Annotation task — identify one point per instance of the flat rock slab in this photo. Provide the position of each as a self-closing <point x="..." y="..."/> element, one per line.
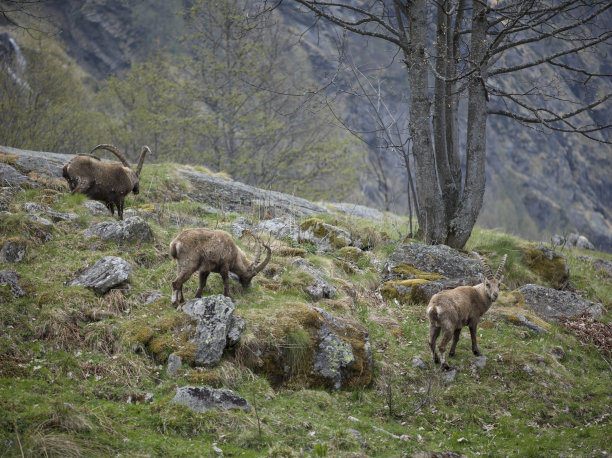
<point x="134" y="229"/>
<point x="107" y="273"/>
<point x="551" y="303"/>
<point x="238" y="197"/>
<point x="10" y="176"/>
<point x="202" y="398"/>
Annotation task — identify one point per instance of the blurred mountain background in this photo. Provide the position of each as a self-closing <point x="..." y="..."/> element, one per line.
<point x="268" y="100"/>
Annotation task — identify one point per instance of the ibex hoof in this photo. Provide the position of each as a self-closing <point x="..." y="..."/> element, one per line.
<point x="445" y="367"/>
<point x="477" y="353"/>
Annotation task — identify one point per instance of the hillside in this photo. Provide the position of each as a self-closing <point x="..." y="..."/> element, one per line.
<point x="86" y="373"/>
<point x="538" y="183"/>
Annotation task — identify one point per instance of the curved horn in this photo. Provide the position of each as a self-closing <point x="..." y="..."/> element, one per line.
<point x="484" y="265"/>
<point x="500" y="268"/>
<point x="145" y="150"/>
<point x="115" y="151"/>
<point x="254" y="268"/>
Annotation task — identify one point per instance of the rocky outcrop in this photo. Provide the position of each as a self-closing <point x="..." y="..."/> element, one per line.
<point x="202" y="398"/>
<point x="217" y="327"/>
<point x="310" y="346"/>
<point x="234" y="196"/>
<point x="9" y="176"/>
<point x="134" y="229"/>
<point x="109" y="272"/>
<point x="551" y="303"/>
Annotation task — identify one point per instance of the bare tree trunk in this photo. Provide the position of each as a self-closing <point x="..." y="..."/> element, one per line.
<point x="471" y="201"/>
<point x="431" y="208"/>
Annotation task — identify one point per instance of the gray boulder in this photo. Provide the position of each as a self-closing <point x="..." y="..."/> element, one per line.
<point x="134" y="229"/>
<point x="56" y="217"/>
<point x="202" y="398"/>
<point x="216" y="327"/>
<point x="10" y="278"/>
<point x="439" y="259"/>
<point x="107" y="273"/>
<point x="174" y="364"/>
<point x="551" y="303"/>
<point x="96" y="208"/>
<point x="12" y="251"/>
<point x="32" y="207"/>
<point x="320" y="288"/>
<point x="39" y="220"/>
<point x="281" y="227"/>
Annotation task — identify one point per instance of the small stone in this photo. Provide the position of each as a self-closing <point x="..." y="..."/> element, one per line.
<point x="202" y="398"/>
<point x="418" y="363"/>
<point x="449" y="375"/>
<point x="558" y="353"/>
<point x="480" y="362"/>
<point x="32" y="207"/>
<point x="527" y="369"/>
<point x="40" y="220"/>
<point x="174" y="364"/>
<point x="10" y="278"/>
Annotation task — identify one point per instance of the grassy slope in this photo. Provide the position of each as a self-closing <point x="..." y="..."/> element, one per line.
<point x="65" y="379"/>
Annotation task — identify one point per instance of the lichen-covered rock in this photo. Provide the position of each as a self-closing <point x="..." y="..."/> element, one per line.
<point x="202" y="398"/>
<point x="325" y="236"/>
<point x="320" y="288"/>
<point x="12" y="251"/>
<point x="39" y="220"/>
<point x="10" y="278"/>
<point x="33" y="207"/>
<point x="134" y="229"/>
<point x="549" y="264"/>
<point x="107" y="273"/>
<point x="216" y="325"/>
<point x="281" y="227"/>
<point x="551" y="303"/>
<point x="436" y="259"/>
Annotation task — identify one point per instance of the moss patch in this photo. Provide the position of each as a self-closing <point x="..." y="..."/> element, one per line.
<point x="403" y="290"/>
<point x="550" y="266"/>
<point x="408" y="271"/>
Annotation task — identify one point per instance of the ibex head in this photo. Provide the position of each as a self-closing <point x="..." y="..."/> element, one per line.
<point x="491" y="282"/>
<point x="255" y="267"/>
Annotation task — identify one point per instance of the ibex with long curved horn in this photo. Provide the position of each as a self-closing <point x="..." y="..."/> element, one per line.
<point x="449" y="311"/>
<point x="211" y="250"/>
<point x="108" y="182"/>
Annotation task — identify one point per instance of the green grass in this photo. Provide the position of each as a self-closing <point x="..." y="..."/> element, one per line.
<point x="65" y="380"/>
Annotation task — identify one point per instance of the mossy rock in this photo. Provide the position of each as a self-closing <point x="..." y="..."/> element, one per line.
<point x="408" y="271"/>
<point x="347" y="267"/>
<point x="403" y="290"/>
<point x="289" y="347"/>
<point x="511" y="299"/>
<point x="350" y="253"/>
<point x="551" y="266"/>
<point x="336" y="237"/>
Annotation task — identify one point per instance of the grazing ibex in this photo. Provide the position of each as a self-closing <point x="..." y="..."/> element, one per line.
<point x="449" y="311"/>
<point x="108" y="182"/>
<point x="210" y="250"/>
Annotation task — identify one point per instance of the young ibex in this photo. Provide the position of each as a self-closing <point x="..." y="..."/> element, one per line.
<point x="209" y="250"/>
<point x="108" y="182"/>
<point x="449" y="311"/>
